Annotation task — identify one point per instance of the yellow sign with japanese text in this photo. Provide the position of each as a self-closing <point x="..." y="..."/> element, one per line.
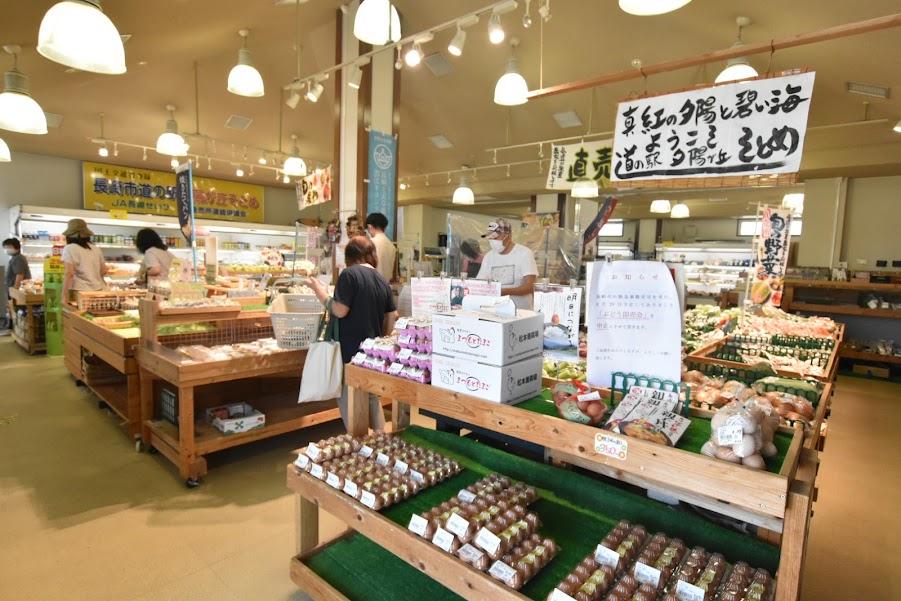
<point x="119" y="188"/>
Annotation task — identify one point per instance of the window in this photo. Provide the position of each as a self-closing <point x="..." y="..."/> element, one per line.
<point x="612" y="229"/>
<point x="751" y="227"/>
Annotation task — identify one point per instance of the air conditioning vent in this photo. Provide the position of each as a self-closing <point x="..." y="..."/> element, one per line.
<point x="238" y="122"/>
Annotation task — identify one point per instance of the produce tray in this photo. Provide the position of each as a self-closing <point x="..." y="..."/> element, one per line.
<point x="702" y="356"/>
<point x="576" y="511"/>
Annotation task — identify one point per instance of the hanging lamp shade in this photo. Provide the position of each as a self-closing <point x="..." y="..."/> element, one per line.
<point x="19" y="112"/>
<point x="736" y="69"/>
<point x="170" y="141"/>
<point x="645" y="8"/>
<point x="244" y="79"/>
<point x="680" y="211"/>
<point x="377" y="22"/>
<point x="5" y="156"/>
<point x="463" y="195"/>
<point x="660" y="206"/>
<point x="793" y="201"/>
<point x="511" y="89"/>
<point x="584" y="188"/>
<point x="77" y="34"/>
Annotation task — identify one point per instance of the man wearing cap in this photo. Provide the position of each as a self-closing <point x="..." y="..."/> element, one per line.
<point x="513" y="265"/>
<point x="83" y="261"/>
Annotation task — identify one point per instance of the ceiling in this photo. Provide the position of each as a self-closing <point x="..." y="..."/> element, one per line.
<point x="582" y="39"/>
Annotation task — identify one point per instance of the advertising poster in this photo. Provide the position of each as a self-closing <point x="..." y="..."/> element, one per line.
<point x="634" y="322"/>
<point x="560" y="306"/>
<point x="438" y="295"/>
<point x="382" y="190"/>
<point x="583" y="160"/>
<point x="772" y="256"/>
<point x="315" y="188"/>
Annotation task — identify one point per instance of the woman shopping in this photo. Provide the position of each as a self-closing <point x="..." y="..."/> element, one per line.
<point x="83" y="261"/>
<point x="364" y="306"/>
<point x="157" y="258"/>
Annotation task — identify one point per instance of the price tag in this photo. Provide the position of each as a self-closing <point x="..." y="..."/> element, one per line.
<point x="350" y="487"/>
<point x="458" y="525"/>
<point x="382" y="459"/>
<point x="367" y="344"/>
<point x="316" y="471"/>
<point x="313" y="452"/>
<point x="488" y="541"/>
<point x="689" y="592"/>
<point x="365" y="451"/>
<point x="418" y="525"/>
<point x="404" y="354"/>
<point x="118" y="214"/>
<point x="443" y="539"/>
<point x="646" y="574"/>
<point x="726" y="436"/>
<point x="469" y="554"/>
<point x="611" y="446"/>
<point x="503" y="572"/>
<point x="395" y="368"/>
<point x="302" y="461"/>
<point x="591" y="396"/>
<point x="606" y="557"/>
<point x="558" y="595"/>
<point x="401" y="324"/>
<point x="368" y="499"/>
<point x="401" y="467"/>
<point x="466" y="496"/>
<point x="417" y="477"/>
<point x="333" y="480"/>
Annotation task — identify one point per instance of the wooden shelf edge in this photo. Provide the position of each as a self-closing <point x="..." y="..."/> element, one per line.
<point x="845" y="310"/>
<point x="225" y="441"/>
<point x="867" y="356"/>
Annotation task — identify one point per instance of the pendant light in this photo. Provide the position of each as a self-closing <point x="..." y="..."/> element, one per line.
<point x="584" y="188"/>
<point x="794" y="201"/>
<point x="463" y="195"/>
<point x="19" y="112"/>
<point x="660" y="206"/>
<point x="103" y="151"/>
<point x="77" y="34"/>
<point x="511" y="89"/>
<point x="244" y="79"/>
<point x="645" y="8"/>
<point x="680" y="211"/>
<point x="170" y="141"/>
<point x="294" y="165"/>
<point x="377" y="22"/>
<point x="737" y="68"/>
<point x="5" y="156"/>
<point x="897" y="128"/>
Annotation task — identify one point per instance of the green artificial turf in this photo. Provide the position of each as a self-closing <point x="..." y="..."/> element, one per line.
<point x="692" y="440"/>
<point x="576" y="511"/>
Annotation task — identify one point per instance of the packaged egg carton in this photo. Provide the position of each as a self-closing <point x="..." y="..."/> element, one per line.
<point x="587" y="582"/>
<point x="416" y="327"/>
<point x="409" y="358"/>
<point x="413" y="343"/>
<point x="658" y="561"/>
<point x="620" y="547"/>
<point x="327" y="449"/>
<point x="464" y="518"/>
<point x="521" y="564"/>
<point x="423" y="376"/>
<point x="380" y="348"/>
<point x="628" y="588"/>
<point x="747" y="584"/>
<point x="700" y="575"/>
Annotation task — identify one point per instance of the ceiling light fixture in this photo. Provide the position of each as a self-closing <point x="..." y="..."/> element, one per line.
<point x="239" y="172"/>
<point x="170" y="141"/>
<point x="897" y="128"/>
<point x="457" y="42"/>
<point x="403" y="186"/>
<point x="293" y="100"/>
<point x="19" y="112"/>
<point x="262" y="160"/>
<point x="584" y="188"/>
<point x="496" y="32"/>
<point x="356" y="78"/>
<point x="794" y="201"/>
<point x="314" y="91"/>
<point x="286" y="179"/>
<point x="244" y="79"/>
<point x="413" y="56"/>
<point x="173" y="163"/>
<point x="377" y="22"/>
<point x="294" y="165"/>
<point x="463" y="195"/>
<point x="77" y="34"/>
<point x="645" y="8"/>
<point x="511" y="89"/>
<point x="103" y="151"/>
<point x="737" y="68"/>
<point x="680" y="211"/>
<point x="115" y="149"/>
<point x="5" y="156"/>
<point x="660" y="206"/>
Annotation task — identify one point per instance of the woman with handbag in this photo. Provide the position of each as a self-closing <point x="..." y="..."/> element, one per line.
<point x="365" y="308"/>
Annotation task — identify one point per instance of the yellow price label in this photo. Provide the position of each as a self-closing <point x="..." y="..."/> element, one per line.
<point x="118" y="213"/>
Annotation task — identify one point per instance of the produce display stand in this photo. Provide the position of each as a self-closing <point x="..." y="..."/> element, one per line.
<point x="206" y="384"/>
<point x="838" y="298"/>
<point x="28" y="335"/>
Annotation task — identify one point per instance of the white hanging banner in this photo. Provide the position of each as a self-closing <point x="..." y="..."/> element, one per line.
<point x="560" y="306"/>
<point x="772" y="256"/>
<point x="437" y="295"/>
<point x="634" y="322"/>
<point x="748" y="128"/>
<point x="585" y="160"/>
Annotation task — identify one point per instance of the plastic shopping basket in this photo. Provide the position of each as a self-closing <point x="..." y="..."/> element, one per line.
<point x="295" y="321"/>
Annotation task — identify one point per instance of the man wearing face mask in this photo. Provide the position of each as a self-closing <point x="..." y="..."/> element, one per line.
<point x="376" y="224"/>
<point x="513" y="265"/>
<point x="17" y="271"/>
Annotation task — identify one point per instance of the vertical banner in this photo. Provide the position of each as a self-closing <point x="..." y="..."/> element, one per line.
<point x="772" y="256"/>
<point x="634" y="322"/>
<point x="560" y="306"/>
<point x="382" y="191"/>
<point x="585" y="160"/>
<point x="184" y="202"/>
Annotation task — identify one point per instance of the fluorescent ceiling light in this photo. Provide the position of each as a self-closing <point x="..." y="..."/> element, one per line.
<point x="5" y="156"/>
<point x="651" y="7"/>
<point x="660" y="206"/>
<point x="440" y="141"/>
<point x="584" y="188"/>
<point x="511" y="89"/>
<point x="170" y="141"/>
<point x="463" y="194"/>
<point x="680" y="211"/>
<point x="77" y="34"/>
<point x="19" y="112"/>
<point x="244" y="79"/>
<point x="567" y="119"/>
<point x="377" y="22"/>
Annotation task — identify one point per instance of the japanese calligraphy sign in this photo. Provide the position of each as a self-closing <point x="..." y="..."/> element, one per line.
<point x="438" y="295"/>
<point x="382" y="189"/>
<point x="753" y="127"/>
<point x="772" y="256"/>
<point x="184" y="200"/>
<point x="315" y="188"/>
<point x="144" y="191"/>
<point x="561" y="307"/>
<point x="589" y="160"/>
<point x="634" y="321"/>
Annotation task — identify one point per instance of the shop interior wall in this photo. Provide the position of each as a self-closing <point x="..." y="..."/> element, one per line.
<point x="701" y="230"/>
<point x="872" y="222"/>
<point x="48" y="181"/>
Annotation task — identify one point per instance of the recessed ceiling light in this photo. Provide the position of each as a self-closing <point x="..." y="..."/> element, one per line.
<point x="866" y="89"/>
<point x="439" y="141"/>
<point x="567" y="119"/>
<point x="142" y="63"/>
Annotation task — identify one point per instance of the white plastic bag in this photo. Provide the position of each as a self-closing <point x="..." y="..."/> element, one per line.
<point x="323" y="373"/>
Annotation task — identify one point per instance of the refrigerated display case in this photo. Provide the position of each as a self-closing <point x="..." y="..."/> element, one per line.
<point x="711" y="268"/>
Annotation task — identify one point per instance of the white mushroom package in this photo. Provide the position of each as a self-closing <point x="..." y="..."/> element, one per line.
<point x="742" y="432"/>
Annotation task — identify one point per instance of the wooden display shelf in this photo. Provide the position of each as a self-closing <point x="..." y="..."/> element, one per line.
<point x="846" y="310"/>
<point x="28" y="337"/>
<point x="22" y="297"/>
<point x="702" y="355"/>
<point x="754" y="496"/>
<point x="849" y="353"/>
<point x="831" y="285"/>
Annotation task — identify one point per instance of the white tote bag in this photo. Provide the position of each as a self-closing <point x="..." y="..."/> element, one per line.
<point x="323" y="370"/>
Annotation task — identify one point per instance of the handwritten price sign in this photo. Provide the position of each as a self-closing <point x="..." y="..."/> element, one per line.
<point x="611" y="446"/>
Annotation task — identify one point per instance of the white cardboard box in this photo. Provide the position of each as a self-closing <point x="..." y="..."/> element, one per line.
<point x="488" y="338"/>
<point x="509" y="384"/>
<point x="241" y="418"/>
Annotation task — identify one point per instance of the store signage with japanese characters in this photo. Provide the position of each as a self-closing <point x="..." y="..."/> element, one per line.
<point x="144" y="191"/>
<point x="382" y="187"/>
<point x="315" y="188"/>
<point x="585" y="160"/>
<point x="438" y="295"/>
<point x="561" y="306"/>
<point x="634" y="321"/>
<point x="772" y="256"/>
<point x="748" y="128"/>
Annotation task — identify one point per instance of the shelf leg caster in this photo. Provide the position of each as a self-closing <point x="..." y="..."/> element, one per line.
<point x="139" y="446"/>
<point x="151" y="450"/>
<point x="192" y="482"/>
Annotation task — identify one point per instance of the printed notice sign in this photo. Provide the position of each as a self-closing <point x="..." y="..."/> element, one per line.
<point x="438" y="295"/>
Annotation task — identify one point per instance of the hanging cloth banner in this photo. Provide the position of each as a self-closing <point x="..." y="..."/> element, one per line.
<point x="772" y="256"/>
<point x="315" y="188"/>
<point x="753" y="127"/>
<point x="382" y="196"/>
<point x="585" y="160"/>
<point x="604" y="213"/>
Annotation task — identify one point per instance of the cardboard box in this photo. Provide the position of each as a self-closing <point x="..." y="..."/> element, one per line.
<point x="510" y="384"/>
<point x="488" y="338"/>
<point x="241" y="417"/>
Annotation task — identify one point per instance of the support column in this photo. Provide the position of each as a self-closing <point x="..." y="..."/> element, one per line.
<point x="824" y="220"/>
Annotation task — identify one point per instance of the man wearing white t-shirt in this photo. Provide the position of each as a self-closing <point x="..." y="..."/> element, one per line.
<point x="513" y="265"/>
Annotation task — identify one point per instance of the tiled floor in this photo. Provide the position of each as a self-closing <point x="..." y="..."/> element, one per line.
<point x="85" y="517"/>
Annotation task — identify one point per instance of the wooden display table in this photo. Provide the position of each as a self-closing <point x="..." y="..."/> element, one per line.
<point x="26" y="333"/>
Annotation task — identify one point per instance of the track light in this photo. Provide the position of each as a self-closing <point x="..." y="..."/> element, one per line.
<point x="115" y="149"/>
<point x="737" y="68"/>
<point x="19" y="112"/>
<point x="77" y="34"/>
<point x="356" y="78"/>
<point x="244" y="79"/>
<point x="294" y="165"/>
<point x="496" y="32"/>
<point x="457" y="42"/>
<point x="170" y="141"/>
<point x="239" y="172"/>
<point x="404" y="186"/>
<point x="314" y="91"/>
<point x="897" y="128"/>
<point x="286" y="179"/>
<point x="103" y="151"/>
<point x="293" y="100"/>
<point x="173" y="163"/>
<point x="262" y="160"/>
<point x="413" y="56"/>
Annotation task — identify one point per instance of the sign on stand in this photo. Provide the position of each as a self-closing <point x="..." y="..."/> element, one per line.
<point x="585" y="160"/>
<point x="634" y="321"/>
<point x="772" y="256"/>
<point x="437" y="295"/>
<point x="750" y="128"/>
<point x="561" y="306"/>
<point x="184" y="200"/>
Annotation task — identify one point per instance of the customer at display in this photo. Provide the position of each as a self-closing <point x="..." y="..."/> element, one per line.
<point x="376" y="224"/>
<point x="511" y="264"/>
<point x="16" y="270"/>
<point x="157" y="257"/>
<point x="364" y="306"/>
<point x="83" y="261"/>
